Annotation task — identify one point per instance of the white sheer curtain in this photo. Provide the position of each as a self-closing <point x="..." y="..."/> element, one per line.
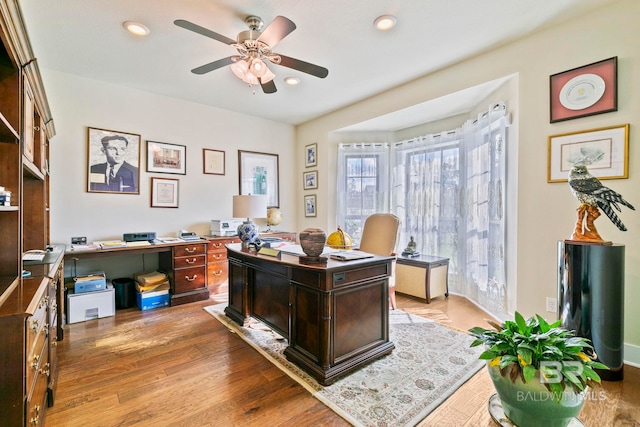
<point x="448" y="191"/>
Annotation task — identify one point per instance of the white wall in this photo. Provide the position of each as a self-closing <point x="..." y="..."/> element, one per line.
<point x="79" y="103"/>
<point x="545" y="212"/>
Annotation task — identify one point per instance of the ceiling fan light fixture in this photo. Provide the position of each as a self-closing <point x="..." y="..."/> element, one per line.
<point x="385" y="22"/>
<point x="241" y="70"/>
<point x="136" y="28"/>
<point x="267" y="76"/>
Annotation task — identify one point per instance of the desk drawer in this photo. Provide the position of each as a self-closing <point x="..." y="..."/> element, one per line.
<point x="189" y="279"/>
<point x="189" y="261"/>
<point x="190" y="250"/>
<point x="217" y="272"/>
<point x="216" y="256"/>
<point x="218" y="245"/>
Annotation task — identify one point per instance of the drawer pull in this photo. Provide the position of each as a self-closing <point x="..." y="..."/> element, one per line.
<point x="218" y="256"/>
<point x="36" y="359"/>
<point x="217" y="273"/>
<point x="191" y="279"/>
<point x="190" y="250"/>
<point x="35" y="324"/>
<point x="217" y="245"/>
<point x="190" y="261"/>
<point x="45" y="371"/>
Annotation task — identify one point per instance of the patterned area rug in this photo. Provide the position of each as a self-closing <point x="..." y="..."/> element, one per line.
<point x="429" y="363"/>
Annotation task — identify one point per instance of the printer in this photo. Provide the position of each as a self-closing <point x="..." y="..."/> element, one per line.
<point x="225" y="227"/>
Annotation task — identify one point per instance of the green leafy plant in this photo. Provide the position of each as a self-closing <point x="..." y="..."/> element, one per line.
<point x="534" y="345"/>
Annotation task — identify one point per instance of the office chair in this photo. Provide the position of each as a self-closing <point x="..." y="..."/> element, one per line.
<point x="379" y="237"/>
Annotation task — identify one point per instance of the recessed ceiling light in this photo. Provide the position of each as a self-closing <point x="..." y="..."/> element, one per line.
<point x="385" y="22"/>
<point x="291" y="80"/>
<point x="136" y="28"/>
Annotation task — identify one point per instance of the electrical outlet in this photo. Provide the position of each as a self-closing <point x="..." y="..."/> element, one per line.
<point x="552" y="305"/>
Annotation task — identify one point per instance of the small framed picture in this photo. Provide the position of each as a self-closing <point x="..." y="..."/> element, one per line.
<point x="164" y="192"/>
<point x="310" y="180"/>
<point x="310" y="205"/>
<point x="166" y="158"/>
<point x="311" y="157"/>
<point x="584" y="91"/>
<point x="605" y="151"/>
<point x="213" y="161"/>
<point x="113" y="162"/>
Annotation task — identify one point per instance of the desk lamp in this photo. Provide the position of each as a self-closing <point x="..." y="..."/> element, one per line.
<point x="249" y="206"/>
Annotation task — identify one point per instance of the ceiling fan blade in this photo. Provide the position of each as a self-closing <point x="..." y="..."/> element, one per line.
<point x="203" y="31"/>
<point x="203" y="69"/>
<point x="278" y="29"/>
<point x="305" y="67"/>
<point x="268" y="87"/>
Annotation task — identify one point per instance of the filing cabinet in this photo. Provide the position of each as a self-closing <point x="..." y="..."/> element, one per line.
<point x="186" y="267"/>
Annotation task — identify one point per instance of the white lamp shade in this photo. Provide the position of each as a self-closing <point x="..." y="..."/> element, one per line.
<point x="250" y="206"/>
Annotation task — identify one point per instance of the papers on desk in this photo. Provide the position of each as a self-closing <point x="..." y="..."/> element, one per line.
<point x="349" y="255"/>
<point x="169" y="239"/>
<point x="138" y="243"/>
<point x="297" y="250"/>
<point x="84" y="247"/>
<point x="111" y="244"/>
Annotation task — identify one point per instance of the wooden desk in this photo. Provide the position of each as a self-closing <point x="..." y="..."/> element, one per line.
<point x="335" y="316"/>
<point x="424" y="276"/>
<point x="184" y="263"/>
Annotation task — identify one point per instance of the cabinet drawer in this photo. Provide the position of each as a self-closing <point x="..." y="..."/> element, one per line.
<point x="189" y="250"/>
<point x="216" y="256"/>
<point x="37" y="327"/>
<point x="217" y="272"/>
<point x="36" y="404"/>
<point x="189" y="279"/>
<point x="218" y="245"/>
<point x="37" y="364"/>
<point x="189" y="261"/>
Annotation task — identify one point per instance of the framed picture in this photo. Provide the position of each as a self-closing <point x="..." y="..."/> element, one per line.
<point x="113" y="162"/>
<point x="584" y="91"/>
<point x="310" y="180"/>
<point x="605" y="152"/>
<point x="164" y="192"/>
<point x="310" y="205"/>
<point x="311" y="155"/>
<point x="212" y="161"/>
<point x="166" y="158"/>
<point x="258" y="174"/>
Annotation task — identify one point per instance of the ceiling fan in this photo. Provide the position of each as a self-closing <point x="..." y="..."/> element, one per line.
<point x="254" y="50"/>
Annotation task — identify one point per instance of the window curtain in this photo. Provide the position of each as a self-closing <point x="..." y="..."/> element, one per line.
<point x="448" y="191"/>
<point x="363" y="185"/>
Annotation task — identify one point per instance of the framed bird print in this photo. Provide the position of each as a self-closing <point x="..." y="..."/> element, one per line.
<point x="605" y="151"/>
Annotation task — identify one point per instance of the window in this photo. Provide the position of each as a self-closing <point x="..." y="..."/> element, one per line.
<point x="448" y="191"/>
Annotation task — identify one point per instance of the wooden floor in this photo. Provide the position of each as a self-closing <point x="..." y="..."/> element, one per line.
<point x="178" y="366"/>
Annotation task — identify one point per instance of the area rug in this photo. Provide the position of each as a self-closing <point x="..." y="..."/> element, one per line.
<point x="428" y="364"/>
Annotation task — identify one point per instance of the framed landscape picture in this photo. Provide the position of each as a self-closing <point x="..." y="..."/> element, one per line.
<point x="605" y="152"/>
<point x="113" y="162"/>
<point x="166" y="158"/>
<point x="258" y="174"/>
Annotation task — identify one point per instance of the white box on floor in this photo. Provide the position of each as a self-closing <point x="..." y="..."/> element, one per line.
<point x="91" y="305"/>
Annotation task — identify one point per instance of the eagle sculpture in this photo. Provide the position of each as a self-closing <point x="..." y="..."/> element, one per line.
<point x="593" y="197"/>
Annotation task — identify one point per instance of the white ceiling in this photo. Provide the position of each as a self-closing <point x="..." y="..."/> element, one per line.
<point x="86" y="38"/>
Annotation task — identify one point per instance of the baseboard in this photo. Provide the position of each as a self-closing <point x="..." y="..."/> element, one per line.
<point x="632" y="355"/>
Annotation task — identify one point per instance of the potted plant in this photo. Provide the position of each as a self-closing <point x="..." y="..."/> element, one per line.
<point x="541" y="371"/>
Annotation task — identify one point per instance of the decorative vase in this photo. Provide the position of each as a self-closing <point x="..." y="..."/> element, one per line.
<point x="247" y="233"/>
<point x="532" y="404"/>
<point x="312" y="241"/>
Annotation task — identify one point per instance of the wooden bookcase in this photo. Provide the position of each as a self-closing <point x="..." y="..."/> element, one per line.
<point x="29" y="319"/>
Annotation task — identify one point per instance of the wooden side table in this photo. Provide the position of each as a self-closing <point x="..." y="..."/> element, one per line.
<point x="424" y="276"/>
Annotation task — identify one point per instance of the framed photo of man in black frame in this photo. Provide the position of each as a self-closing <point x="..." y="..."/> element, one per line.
<point x="113" y="162"/>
